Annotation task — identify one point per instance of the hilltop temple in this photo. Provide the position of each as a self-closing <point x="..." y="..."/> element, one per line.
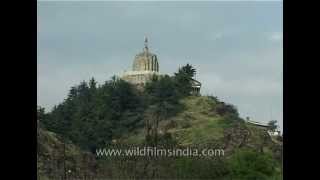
<point x="145" y="65"/>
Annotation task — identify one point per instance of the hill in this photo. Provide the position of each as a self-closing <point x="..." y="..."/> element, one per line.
<point x="117" y="116"/>
<point x="60" y="159"/>
<point x="202" y="125"/>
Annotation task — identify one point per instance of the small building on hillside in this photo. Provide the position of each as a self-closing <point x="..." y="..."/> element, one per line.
<point x="265" y="126"/>
<point x="196" y="86"/>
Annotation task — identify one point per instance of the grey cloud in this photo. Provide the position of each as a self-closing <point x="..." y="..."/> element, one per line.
<point x="235" y="46"/>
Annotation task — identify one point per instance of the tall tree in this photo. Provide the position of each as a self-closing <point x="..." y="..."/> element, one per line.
<point x="273" y="125"/>
<point x="183" y="79"/>
<point x="189" y="70"/>
<point x="163" y="102"/>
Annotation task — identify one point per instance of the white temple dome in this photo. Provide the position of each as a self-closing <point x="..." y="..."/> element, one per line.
<point x="145" y="61"/>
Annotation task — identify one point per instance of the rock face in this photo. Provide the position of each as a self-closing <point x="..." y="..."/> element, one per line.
<point x="249" y="136"/>
<point x="57" y="159"/>
<point x="235" y="137"/>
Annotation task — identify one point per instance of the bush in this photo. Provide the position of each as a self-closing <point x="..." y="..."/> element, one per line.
<point x="252" y="165"/>
<point x="226" y="109"/>
<point x="200" y="168"/>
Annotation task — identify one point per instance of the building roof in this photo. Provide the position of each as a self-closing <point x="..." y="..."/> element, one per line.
<point x="145" y="61"/>
<point x="257" y="123"/>
<point x="195" y="83"/>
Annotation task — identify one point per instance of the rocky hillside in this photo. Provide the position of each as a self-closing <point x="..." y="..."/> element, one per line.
<point x="203" y="122"/>
<point x="59" y="159"/>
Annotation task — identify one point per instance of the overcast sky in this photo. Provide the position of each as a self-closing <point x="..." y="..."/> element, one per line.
<point x="236" y="47"/>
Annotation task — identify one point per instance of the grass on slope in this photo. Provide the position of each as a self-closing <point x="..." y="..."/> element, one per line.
<point x="196" y="124"/>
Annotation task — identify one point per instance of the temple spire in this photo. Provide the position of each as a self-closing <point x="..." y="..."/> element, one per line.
<point x="145" y="43"/>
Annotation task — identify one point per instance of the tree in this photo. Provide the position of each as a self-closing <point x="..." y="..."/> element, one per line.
<point x="189" y="70"/>
<point x="163" y="93"/>
<point x="92" y="83"/>
<point x="272" y="125"/>
<point x="252" y="165"/>
<point x="163" y="102"/>
<point x="92" y="115"/>
<point x="41" y="113"/>
<point x="183" y="79"/>
<point x="223" y="109"/>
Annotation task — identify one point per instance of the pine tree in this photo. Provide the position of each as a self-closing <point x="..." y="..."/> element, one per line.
<point x="183" y="79"/>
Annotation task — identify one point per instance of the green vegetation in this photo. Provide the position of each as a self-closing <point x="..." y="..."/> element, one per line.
<point x="183" y="78"/>
<point x="164" y="114"/>
<point x="56" y="155"/>
<point x="273" y="125"/>
<point x="252" y="165"/>
<point x="91" y="116"/>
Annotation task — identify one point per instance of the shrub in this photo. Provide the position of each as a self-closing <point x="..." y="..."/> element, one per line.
<point x="252" y="165"/>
